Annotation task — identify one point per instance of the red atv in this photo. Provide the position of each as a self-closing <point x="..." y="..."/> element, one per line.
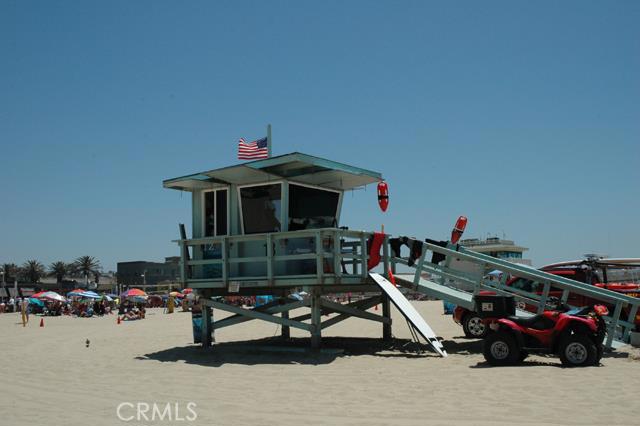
<point x="576" y="336"/>
<point x="601" y="273"/>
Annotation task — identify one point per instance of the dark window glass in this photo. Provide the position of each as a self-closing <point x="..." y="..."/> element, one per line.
<point x="261" y="208"/>
<point x="209" y="214"/>
<point x="311" y="208"/>
<point x="215" y="213"/>
<point x="221" y="210"/>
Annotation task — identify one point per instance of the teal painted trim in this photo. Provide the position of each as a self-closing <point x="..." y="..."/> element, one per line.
<point x="196" y="214"/>
<point x="316" y="161"/>
<point x="195" y="176"/>
<point x="284" y="206"/>
<point x="275" y="161"/>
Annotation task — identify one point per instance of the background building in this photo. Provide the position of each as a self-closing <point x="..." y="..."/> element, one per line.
<point x="497" y="247"/>
<point x="145" y="274"/>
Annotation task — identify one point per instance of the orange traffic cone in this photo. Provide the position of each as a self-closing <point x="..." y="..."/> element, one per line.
<point x="41" y="322"/>
<point x="118" y="319"/>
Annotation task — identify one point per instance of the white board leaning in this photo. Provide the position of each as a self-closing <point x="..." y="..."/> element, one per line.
<point x="409" y="312"/>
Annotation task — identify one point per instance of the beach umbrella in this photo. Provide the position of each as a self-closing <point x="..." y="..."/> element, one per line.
<point x="39" y="294"/>
<point x="75" y="292"/>
<point x="34" y="301"/>
<point x="176" y="294"/>
<point x="134" y="292"/>
<point x="89" y="295"/>
<point x="52" y="295"/>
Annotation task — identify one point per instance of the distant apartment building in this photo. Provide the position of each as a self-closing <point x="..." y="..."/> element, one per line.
<point x="497" y="247"/>
<point x="141" y="273"/>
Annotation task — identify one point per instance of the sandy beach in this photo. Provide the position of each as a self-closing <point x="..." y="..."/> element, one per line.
<point x="50" y="375"/>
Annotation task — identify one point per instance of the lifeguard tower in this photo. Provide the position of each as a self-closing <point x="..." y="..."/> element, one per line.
<point x="272" y="227"/>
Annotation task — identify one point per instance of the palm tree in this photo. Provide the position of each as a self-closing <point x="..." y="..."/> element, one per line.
<point x="59" y="270"/>
<point x="32" y="271"/>
<point x="86" y="265"/>
<point x="10" y="272"/>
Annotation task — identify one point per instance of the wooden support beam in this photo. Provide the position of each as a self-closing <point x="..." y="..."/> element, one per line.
<point x="260" y="315"/>
<point x="206" y="338"/>
<point x="316" y="320"/>
<point x="345" y="309"/>
<point x="611" y="332"/>
<point x="362" y="304"/>
<point x="286" y="330"/>
<point x="386" y="313"/>
<point x="270" y="308"/>
<point x="630" y="319"/>
<point x="368" y="303"/>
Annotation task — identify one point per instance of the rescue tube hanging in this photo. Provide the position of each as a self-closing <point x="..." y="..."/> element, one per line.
<point x="458" y="229"/>
<point x="383" y="196"/>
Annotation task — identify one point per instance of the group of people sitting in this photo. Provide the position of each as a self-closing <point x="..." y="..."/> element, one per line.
<point x="131" y="312"/>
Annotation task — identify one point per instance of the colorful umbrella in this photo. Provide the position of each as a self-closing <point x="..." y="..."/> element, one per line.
<point x="38" y="295"/>
<point x="89" y="295"/>
<point x="34" y="301"/>
<point x="187" y="291"/>
<point x="134" y="292"/>
<point x="52" y="295"/>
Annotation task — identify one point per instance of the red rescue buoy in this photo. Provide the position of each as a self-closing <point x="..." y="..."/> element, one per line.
<point x="383" y="196"/>
<point x="458" y="229"/>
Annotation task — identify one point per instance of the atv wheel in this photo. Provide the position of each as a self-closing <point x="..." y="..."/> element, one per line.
<point x="501" y="348"/>
<point x="577" y="350"/>
<point x="473" y="326"/>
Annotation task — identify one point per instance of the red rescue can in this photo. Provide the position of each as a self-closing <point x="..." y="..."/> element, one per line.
<point x="383" y="196"/>
<point x="458" y="229"/>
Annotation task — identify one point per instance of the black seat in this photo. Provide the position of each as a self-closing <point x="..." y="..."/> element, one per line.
<point x="537" y="322"/>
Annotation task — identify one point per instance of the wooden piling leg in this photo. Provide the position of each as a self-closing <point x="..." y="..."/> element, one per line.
<point x="316" y="309"/>
<point x="207" y="338"/>
<point x="286" y="330"/>
<point x="386" y="313"/>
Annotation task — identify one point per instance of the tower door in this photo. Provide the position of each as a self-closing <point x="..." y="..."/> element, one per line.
<point x="216" y="213"/>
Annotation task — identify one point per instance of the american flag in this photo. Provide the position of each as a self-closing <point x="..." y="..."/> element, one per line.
<point x="253" y="150"/>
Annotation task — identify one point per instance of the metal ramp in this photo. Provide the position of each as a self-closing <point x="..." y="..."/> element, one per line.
<point x="409" y="312"/>
<point x="455" y="274"/>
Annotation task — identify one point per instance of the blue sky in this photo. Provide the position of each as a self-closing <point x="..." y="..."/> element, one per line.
<point x="524" y="116"/>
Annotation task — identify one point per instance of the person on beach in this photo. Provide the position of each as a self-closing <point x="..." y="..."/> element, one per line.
<point x="24" y="312"/>
<point x="170" y="305"/>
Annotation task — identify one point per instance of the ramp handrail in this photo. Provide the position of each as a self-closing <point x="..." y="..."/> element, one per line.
<point x="453" y="278"/>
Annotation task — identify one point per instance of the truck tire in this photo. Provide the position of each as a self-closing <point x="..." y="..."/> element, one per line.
<point x="473" y="326"/>
<point x="501" y="348"/>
